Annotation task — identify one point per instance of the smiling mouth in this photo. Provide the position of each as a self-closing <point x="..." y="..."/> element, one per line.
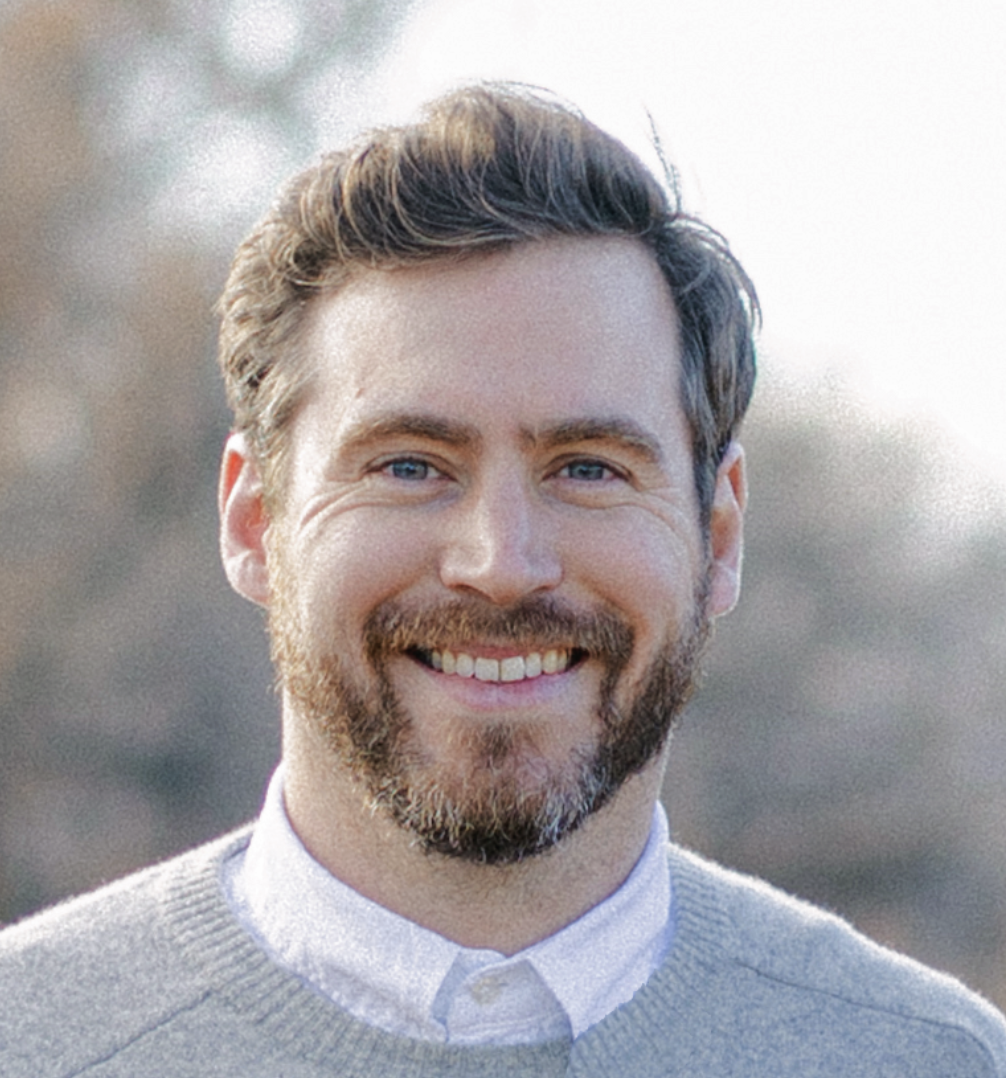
<point x="509" y="669"/>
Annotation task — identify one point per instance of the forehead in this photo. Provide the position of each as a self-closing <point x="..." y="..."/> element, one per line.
<point x="534" y="335"/>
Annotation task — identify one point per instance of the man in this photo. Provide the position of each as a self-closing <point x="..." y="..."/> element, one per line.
<point x="487" y="380"/>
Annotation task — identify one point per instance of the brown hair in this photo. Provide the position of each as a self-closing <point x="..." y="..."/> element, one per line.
<point x="487" y="166"/>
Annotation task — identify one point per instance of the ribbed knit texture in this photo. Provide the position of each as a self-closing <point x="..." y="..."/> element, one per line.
<point x="153" y="978"/>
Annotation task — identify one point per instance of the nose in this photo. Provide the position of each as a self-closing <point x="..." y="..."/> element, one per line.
<point x="500" y="543"/>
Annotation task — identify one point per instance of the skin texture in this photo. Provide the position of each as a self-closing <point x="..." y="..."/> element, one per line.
<point x="493" y="432"/>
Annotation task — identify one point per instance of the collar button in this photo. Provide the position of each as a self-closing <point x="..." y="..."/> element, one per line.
<point x="486" y="990"/>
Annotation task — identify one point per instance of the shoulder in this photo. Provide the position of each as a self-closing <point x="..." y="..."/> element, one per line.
<point x="80" y="978"/>
<point x="791" y="958"/>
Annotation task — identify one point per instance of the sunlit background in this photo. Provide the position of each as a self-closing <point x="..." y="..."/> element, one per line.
<point x="854" y="153"/>
<point x="850" y="743"/>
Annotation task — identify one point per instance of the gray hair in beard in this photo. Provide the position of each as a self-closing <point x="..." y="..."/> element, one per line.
<point x="494" y="817"/>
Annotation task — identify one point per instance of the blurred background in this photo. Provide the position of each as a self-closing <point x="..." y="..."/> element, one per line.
<point x="850" y="742"/>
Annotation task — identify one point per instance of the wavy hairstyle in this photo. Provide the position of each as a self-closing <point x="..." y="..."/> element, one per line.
<point x="485" y="167"/>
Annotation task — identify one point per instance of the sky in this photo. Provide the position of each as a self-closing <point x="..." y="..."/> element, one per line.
<point x="853" y="153"/>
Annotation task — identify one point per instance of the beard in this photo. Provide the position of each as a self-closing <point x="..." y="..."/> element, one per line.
<point x="509" y="802"/>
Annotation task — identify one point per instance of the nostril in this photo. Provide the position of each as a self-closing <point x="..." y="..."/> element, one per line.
<point x="500" y="574"/>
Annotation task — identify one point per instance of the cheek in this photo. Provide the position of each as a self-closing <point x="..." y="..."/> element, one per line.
<point x="637" y="554"/>
<point x="349" y="565"/>
<point x="647" y="572"/>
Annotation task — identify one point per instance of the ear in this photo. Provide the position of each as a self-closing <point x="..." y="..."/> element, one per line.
<point x="726" y="531"/>
<point x="243" y="521"/>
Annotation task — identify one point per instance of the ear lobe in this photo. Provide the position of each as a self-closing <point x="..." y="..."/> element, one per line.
<point x="726" y="531"/>
<point x="243" y="521"/>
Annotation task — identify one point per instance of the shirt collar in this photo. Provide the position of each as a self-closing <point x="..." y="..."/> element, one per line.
<point x="597" y="962"/>
<point x="394" y="974"/>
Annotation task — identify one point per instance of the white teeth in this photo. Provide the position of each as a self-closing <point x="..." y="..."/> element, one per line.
<point x="512" y="668"/>
<point x="487" y="669"/>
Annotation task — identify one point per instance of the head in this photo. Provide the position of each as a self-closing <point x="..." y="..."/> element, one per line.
<point x="418" y="344"/>
<point x="486" y="168"/>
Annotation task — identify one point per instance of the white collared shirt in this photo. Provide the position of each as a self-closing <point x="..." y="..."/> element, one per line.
<point x="406" y="979"/>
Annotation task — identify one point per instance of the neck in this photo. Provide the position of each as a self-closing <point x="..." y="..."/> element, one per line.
<point x="501" y="908"/>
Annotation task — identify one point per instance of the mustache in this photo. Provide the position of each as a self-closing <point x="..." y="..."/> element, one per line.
<point x="535" y="622"/>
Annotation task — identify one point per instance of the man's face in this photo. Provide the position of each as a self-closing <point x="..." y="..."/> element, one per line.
<point x="487" y="579"/>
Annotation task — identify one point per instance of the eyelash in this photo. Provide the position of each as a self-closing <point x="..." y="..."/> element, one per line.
<point x="421" y="470"/>
<point x="594" y="466"/>
<point x="417" y="464"/>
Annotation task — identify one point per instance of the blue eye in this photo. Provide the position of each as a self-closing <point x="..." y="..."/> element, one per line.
<point x="409" y="469"/>
<point x="587" y="470"/>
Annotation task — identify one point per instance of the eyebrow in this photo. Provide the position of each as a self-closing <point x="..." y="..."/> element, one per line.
<point x="626" y="432"/>
<point x="619" y="429"/>
<point x="413" y="425"/>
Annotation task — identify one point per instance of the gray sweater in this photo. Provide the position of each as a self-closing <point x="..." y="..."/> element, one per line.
<point x="152" y="977"/>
